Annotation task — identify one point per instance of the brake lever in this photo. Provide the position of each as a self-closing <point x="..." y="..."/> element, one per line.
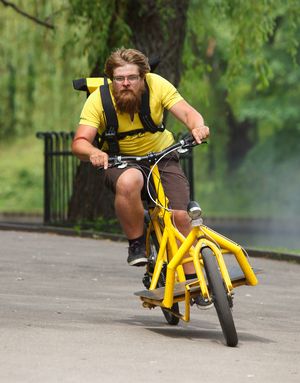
<point x="121" y="165"/>
<point x="191" y="144"/>
<point x="115" y="164"/>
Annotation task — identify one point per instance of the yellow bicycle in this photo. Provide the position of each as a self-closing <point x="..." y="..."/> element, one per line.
<point x="168" y="250"/>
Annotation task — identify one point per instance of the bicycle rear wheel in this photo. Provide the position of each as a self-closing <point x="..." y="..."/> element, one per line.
<point x="219" y="297"/>
<point x="170" y="318"/>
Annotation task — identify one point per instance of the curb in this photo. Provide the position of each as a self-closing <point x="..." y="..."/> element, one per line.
<point x="278" y="256"/>
<point x="40" y="228"/>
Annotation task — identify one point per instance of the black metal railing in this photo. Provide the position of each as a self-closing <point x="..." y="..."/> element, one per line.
<point x="187" y="163"/>
<point x="59" y="172"/>
<point x="60" y="167"/>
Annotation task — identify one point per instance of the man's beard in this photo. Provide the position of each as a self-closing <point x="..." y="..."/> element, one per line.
<point x="128" y="100"/>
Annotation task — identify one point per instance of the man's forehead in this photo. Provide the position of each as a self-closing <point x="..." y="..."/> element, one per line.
<point x="126" y="70"/>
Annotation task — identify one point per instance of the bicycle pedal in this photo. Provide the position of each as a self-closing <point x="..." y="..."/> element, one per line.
<point x="201" y="303"/>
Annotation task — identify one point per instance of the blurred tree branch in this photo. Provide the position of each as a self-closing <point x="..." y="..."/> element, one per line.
<point x="25" y="14"/>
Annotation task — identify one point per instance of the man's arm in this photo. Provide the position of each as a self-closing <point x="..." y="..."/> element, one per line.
<point x="83" y="148"/>
<point x="193" y="120"/>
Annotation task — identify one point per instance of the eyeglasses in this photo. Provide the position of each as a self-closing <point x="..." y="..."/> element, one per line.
<point x="130" y="78"/>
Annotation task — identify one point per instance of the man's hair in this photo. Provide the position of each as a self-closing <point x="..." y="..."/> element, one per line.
<point x="122" y="56"/>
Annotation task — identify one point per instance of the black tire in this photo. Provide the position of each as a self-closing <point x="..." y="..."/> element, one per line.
<point x="219" y="296"/>
<point x="170" y="318"/>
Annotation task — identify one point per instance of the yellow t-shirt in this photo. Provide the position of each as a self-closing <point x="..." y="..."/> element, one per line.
<point x="162" y="95"/>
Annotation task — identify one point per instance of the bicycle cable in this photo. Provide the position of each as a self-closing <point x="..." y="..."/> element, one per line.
<point x="148" y="181"/>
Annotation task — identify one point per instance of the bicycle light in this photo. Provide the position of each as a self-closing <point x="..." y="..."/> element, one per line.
<point x="195" y="212"/>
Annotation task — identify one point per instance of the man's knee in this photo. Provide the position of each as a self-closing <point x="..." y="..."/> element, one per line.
<point x="181" y="217"/>
<point x="130" y="182"/>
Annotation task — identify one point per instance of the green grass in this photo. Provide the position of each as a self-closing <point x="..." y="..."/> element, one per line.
<point x="21" y="175"/>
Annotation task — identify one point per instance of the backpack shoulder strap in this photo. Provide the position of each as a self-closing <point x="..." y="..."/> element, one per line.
<point x="110" y="133"/>
<point x="145" y="113"/>
<point x="108" y="107"/>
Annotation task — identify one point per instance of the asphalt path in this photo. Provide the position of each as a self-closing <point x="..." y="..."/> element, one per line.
<point x="68" y="314"/>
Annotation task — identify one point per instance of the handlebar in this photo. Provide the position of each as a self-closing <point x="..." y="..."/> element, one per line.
<point x="183" y="144"/>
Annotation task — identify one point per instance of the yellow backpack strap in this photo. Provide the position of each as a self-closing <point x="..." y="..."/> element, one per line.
<point x="89" y="84"/>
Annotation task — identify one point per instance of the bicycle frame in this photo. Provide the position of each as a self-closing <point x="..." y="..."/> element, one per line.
<point x="176" y="250"/>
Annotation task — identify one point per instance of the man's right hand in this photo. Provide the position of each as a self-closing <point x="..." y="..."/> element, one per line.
<point x="99" y="158"/>
<point x="83" y="148"/>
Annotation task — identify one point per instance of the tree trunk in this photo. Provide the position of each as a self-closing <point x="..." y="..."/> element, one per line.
<point x="160" y="32"/>
<point x="90" y="195"/>
<point x="238" y="137"/>
<point x="242" y="137"/>
<point x="152" y="26"/>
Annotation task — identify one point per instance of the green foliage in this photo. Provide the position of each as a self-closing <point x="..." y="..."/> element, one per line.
<point x="243" y="60"/>
<point x="266" y="185"/>
<point x="94" y="31"/>
<point x="253" y="25"/>
<point x="36" y="71"/>
<point x="241" y="31"/>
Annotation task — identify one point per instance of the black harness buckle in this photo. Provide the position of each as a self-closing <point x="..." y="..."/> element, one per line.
<point x="110" y="135"/>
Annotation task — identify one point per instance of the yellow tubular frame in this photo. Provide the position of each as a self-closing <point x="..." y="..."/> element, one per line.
<point x="200" y="236"/>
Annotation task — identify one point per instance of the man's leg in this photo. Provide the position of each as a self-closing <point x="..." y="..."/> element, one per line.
<point x="128" y="204"/>
<point x="130" y="211"/>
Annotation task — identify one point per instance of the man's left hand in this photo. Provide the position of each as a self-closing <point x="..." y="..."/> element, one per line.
<point x="200" y="133"/>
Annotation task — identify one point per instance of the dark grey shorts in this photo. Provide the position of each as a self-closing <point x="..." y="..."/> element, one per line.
<point x="173" y="179"/>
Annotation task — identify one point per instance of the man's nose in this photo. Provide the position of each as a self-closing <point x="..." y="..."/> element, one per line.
<point x="126" y="82"/>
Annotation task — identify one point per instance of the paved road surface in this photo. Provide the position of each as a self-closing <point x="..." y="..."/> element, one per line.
<point x="68" y="314"/>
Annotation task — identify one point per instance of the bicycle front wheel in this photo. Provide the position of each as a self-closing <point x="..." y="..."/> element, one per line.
<point x="219" y="297"/>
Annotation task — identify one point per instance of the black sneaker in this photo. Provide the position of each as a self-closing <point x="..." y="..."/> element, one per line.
<point x="201" y="302"/>
<point x="137" y="254"/>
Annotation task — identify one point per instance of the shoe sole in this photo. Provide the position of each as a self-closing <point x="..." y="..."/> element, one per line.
<point x="138" y="262"/>
<point x="205" y="307"/>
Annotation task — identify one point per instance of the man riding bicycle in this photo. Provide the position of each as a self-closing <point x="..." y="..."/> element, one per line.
<point x="138" y="133"/>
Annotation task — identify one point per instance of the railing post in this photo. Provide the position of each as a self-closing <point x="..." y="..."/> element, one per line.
<point x="47" y="174"/>
<point x="59" y="171"/>
<point x="190" y="159"/>
<point x="187" y="163"/>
